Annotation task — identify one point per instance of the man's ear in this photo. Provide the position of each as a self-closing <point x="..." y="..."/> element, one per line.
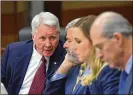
<point x="119" y="38"/>
<point x="33" y="36"/>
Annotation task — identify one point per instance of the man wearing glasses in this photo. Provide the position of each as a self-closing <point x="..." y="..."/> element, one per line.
<point x="111" y="34"/>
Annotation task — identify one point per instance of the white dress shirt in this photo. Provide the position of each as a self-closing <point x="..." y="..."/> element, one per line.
<point x="34" y="64"/>
<point x="3" y="89"/>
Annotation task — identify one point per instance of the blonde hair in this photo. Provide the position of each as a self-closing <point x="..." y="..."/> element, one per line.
<point x="96" y="65"/>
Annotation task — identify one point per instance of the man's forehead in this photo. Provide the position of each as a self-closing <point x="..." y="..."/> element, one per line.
<point x="97" y="38"/>
<point x="95" y="32"/>
<point x="46" y="27"/>
<point x="47" y="32"/>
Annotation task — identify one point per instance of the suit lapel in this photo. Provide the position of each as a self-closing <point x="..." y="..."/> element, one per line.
<point x="53" y="65"/>
<point x="56" y="59"/>
<point x="20" y="68"/>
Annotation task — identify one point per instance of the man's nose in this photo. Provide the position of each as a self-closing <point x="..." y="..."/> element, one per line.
<point x="48" y="43"/>
<point x="65" y="45"/>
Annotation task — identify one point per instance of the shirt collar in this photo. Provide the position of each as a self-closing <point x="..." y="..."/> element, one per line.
<point x="128" y="65"/>
<point x="38" y="55"/>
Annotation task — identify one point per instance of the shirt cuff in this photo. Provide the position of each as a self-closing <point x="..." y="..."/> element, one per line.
<point x="57" y="76"/>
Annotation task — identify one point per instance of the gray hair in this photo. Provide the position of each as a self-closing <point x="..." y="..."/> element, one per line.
<point x="115" y="22"/>
<point x="71" y="55"/>
<point x="45" y="18"/>
<point x="72" y="23"/>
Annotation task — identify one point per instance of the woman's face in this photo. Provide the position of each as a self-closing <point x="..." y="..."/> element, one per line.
<point x="81" y="46"/>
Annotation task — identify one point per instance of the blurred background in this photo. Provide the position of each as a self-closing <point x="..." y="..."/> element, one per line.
<point x="16" y="15"/>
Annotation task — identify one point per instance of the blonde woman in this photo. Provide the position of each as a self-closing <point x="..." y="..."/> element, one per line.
<point x="81" y="72"/>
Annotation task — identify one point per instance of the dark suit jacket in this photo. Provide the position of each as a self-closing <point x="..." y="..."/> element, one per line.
<point x="106" y="83"/>
<point x="16" y="59"/>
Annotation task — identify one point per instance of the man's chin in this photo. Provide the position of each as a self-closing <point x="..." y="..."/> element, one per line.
<point x="48" y="54"/>
<point x="113" y="66"/>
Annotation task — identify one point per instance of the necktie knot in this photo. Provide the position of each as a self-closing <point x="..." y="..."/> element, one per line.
<point x="43" y="59"/>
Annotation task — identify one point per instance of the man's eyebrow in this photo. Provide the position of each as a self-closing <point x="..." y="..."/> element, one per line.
<point x="53" y="35"/>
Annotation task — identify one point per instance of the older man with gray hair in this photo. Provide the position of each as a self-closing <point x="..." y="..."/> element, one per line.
<point x="111" y="34"/>
<point x="26" y="65"/>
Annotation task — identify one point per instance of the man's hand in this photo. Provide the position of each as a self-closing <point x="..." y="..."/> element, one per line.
<point x="65" y="66"/>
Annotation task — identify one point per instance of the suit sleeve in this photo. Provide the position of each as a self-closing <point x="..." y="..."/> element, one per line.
<point x="110" y="84"/>
<point x="4" y="67"/>
<point x="55" y="87"/>
<point x="110" y="81"/>
<point x="106" y="83"/>
<point x="57" y="76"/>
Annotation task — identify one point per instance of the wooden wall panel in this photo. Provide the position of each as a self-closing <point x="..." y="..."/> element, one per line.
<point x="66" y="5"/>
<point x="8" y="38"/>
<point x="68" y="15"/>
<point x="8" y="30"/>
<point x="13" y="18"/>
<point x="8" y="24"/>
<point x="21" y="19"/>
<point x="11" y="24"/>
<point x="7" y="7"/>
<point x="54" y="7"/>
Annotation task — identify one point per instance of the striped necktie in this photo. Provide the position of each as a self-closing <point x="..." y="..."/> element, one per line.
<point x="38" y="83"/>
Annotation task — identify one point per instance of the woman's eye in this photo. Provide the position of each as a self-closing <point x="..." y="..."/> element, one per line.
<point x="78" y="41"/>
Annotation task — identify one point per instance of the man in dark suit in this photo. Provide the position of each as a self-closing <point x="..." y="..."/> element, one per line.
<point x="111" y="34"/>
<point x="21" y="64"/>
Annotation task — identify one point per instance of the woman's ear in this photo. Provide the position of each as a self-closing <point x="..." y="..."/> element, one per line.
<point x="119" y="38"/>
